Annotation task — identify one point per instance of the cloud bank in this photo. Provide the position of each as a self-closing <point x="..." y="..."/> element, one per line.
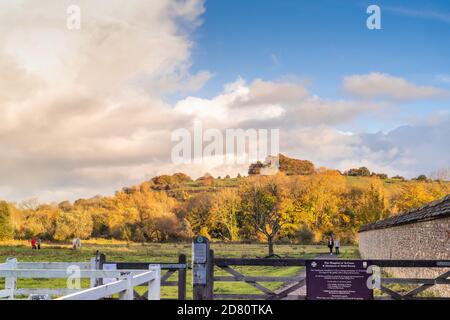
<point x="380" y="85"/>
<point x="84" y="111"/>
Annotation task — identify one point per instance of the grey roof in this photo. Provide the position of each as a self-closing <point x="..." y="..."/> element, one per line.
<point x="434" y="210"/>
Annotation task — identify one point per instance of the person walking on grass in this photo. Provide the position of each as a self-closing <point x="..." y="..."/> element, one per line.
<point x="33" y="243"/>
<point x="330" y="244"/>
<point x="337" y="244"/>
<point x="39" y="243"/>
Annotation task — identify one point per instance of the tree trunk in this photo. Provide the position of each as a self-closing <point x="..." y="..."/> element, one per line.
<point x="270" y="242"/>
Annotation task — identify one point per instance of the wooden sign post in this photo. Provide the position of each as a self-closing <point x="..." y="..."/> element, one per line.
<point x="202" y="264"/>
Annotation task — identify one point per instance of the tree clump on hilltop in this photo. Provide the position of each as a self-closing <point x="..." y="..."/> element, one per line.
<point x="293" y="167"/>
<point x="167" y="182"/>
<point x="358" y="172"/>
<point x="288" y="166"/>
<point x="364" y="172"/>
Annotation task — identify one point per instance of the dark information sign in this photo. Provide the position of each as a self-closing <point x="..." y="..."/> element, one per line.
<point x="337" y="280"/>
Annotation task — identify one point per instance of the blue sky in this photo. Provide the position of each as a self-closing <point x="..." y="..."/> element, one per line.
<point x="323" y="41"/>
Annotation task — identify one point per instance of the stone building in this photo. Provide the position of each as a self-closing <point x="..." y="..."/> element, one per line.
<point x="418" y="234"/>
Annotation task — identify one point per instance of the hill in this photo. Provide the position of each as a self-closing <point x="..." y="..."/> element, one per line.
<point x="307" y="206"/>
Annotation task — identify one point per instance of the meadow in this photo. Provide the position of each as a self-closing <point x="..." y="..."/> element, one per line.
<point x="162" y="252"/>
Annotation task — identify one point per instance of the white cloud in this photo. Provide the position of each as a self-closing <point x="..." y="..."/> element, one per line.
<point x="381" y="85"/>
<point x="286" y="93"/>
<point x="272" y="104"/>
<point x="82" y="109"/>
<point x="240" y="102"/>
<point x="412" y="149"/>
<point x="83" y="114"/>
<point x="407" y="150"/>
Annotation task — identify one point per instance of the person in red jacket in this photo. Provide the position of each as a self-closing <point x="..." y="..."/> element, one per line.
<point x="33" y="243"/>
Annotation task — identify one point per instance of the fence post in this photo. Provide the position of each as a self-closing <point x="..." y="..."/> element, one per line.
<point x="128" y="294"/>
<point x="100" y="262"/>
<point x="11" y="282"/>
<point x="93" y="280"/>
<point x="200" y="254"/>
<point x="154" y="286"/>
<point x="210" y="276"/>
<point x="182" y="278"/>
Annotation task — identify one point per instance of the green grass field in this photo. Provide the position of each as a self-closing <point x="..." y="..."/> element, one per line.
<point x="163" y="252"/>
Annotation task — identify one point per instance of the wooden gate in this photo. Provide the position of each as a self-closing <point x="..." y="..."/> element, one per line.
<point x="292" y="284"/>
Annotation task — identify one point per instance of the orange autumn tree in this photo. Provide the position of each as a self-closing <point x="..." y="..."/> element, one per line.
<point x="267" y="207"/>
<point x="225" y="208"/>
<point x="415" y="194"/>
<point x="318" y="202"/>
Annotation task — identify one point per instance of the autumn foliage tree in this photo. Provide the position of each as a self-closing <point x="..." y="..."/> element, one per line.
<point x="288" y="206"/>
<point x="267" y="207"/>
<point x="197" y="210"/>
<point x="318" y="202"/>
<point x="415" y="194"/>
<point x="77" y="223"/>
<point x="226" y="205"/>
<point x="372" y="206"/>
<point x="6" y="230"/>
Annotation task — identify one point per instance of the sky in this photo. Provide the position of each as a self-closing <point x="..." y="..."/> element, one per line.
<point x="87" y="111"/>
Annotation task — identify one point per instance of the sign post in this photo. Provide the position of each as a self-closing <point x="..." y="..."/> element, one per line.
<point x="201" y="269"/>
<point x="338" y="280"/>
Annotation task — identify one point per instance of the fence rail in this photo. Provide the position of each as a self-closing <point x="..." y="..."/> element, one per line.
<point x="63" y="274"/>
<point x="171" y="268"/>
<point x="290" y="262"/>
<point x="49" y="265"/>
<point x="124" y="287"/>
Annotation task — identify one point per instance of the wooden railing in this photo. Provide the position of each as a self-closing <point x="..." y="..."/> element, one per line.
<point x="124" y="283"/>
<point x="171" y="268"/>
<point x="124" y="287"/>
<point x="292" y="284"/>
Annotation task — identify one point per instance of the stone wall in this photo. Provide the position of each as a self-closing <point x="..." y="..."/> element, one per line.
<point x="426" y="240"/>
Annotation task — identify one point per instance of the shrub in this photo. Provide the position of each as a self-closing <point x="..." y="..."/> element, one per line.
<point x="305" y="235"/>
<point x="422" y="177"/>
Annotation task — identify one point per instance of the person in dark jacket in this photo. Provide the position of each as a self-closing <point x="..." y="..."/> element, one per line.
<point x="331" y="244"/>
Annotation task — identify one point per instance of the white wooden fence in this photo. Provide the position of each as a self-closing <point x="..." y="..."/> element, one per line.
<point x="123" y="283"/>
